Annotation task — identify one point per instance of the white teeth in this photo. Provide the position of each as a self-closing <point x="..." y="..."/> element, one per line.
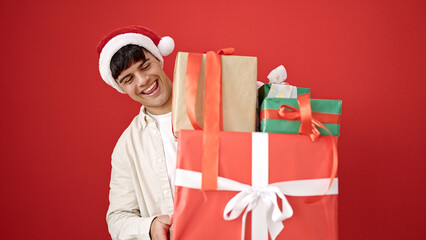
<point x="150" y="87"/>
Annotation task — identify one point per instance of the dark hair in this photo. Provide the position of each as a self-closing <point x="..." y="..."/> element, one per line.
<point x="125" y="57"/>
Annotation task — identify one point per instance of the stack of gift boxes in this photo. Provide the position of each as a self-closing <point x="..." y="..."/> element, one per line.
<point x="234" y="181"/>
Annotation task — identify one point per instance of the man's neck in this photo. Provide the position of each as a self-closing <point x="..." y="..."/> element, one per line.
<point x="166" y="108"/>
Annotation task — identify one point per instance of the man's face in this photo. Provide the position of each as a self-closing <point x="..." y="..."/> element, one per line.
<point x="146" y="83"/>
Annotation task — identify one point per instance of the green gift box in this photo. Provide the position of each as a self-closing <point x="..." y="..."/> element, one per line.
<point x="325" y="111"/>
<point x="264" y="91"/>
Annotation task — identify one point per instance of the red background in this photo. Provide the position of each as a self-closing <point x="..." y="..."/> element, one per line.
<point x="60" y="121"/>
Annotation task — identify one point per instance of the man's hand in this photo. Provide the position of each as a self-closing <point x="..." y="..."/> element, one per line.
<point x="160" y="227"/>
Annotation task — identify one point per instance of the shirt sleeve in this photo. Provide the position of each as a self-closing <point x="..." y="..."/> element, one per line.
<point x="123" y="217"/>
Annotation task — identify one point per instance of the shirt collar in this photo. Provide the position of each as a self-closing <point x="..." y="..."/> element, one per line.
<point x="145" y="117"/>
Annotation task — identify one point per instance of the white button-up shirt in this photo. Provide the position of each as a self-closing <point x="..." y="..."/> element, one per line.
<point x="139" y="187"/>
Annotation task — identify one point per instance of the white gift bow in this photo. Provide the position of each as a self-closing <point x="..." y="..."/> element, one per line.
<point x="253" y="196"/>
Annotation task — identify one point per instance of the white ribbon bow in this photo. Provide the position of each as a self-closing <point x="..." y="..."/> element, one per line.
<point x="266" y="199"/>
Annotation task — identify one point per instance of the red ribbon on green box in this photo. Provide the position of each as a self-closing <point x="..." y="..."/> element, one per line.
<point x="274" y="119"/>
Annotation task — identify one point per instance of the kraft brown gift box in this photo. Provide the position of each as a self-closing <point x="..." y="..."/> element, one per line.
<point x="239" y="93"/>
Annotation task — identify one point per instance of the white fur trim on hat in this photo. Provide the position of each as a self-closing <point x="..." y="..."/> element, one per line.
<point x="116" y="44"/>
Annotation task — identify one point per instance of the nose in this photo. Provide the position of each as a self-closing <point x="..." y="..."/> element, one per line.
<point x="142" y="79"/>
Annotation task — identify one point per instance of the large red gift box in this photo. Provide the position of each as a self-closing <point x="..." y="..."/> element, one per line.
<point x="256" y="166"/>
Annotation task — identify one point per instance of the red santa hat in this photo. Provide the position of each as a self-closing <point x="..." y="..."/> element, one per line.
<point x="137" y="35"/>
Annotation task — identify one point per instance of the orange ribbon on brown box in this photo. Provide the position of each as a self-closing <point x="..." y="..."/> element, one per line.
<point x="238" y="77"/>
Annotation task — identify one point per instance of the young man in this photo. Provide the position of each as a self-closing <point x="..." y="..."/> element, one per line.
<point x="144" y="158"/>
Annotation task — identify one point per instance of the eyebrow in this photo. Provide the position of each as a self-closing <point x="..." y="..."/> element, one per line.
<point x="140" y="65"/>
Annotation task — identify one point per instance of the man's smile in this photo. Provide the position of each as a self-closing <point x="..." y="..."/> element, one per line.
<point x="151" y="88"/>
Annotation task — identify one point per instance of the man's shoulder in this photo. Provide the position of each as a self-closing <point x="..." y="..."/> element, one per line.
<point x="134" y="129"/>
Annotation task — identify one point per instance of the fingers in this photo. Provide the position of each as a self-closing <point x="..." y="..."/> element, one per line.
<point x="165" y="219"/>
<point x="164" y="236"/>
<point x="160" y="228"/>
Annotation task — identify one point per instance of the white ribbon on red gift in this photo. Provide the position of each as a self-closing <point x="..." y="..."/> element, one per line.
<point x="261" y="197"/>
<point x="262" y="201"/>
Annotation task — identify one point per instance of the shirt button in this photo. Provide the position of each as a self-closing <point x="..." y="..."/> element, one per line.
<point x="166" y="192"/>
<point x="160" y="160"/>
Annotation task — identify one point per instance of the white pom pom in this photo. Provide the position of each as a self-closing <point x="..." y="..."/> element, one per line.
<point x="166" y="46"/>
